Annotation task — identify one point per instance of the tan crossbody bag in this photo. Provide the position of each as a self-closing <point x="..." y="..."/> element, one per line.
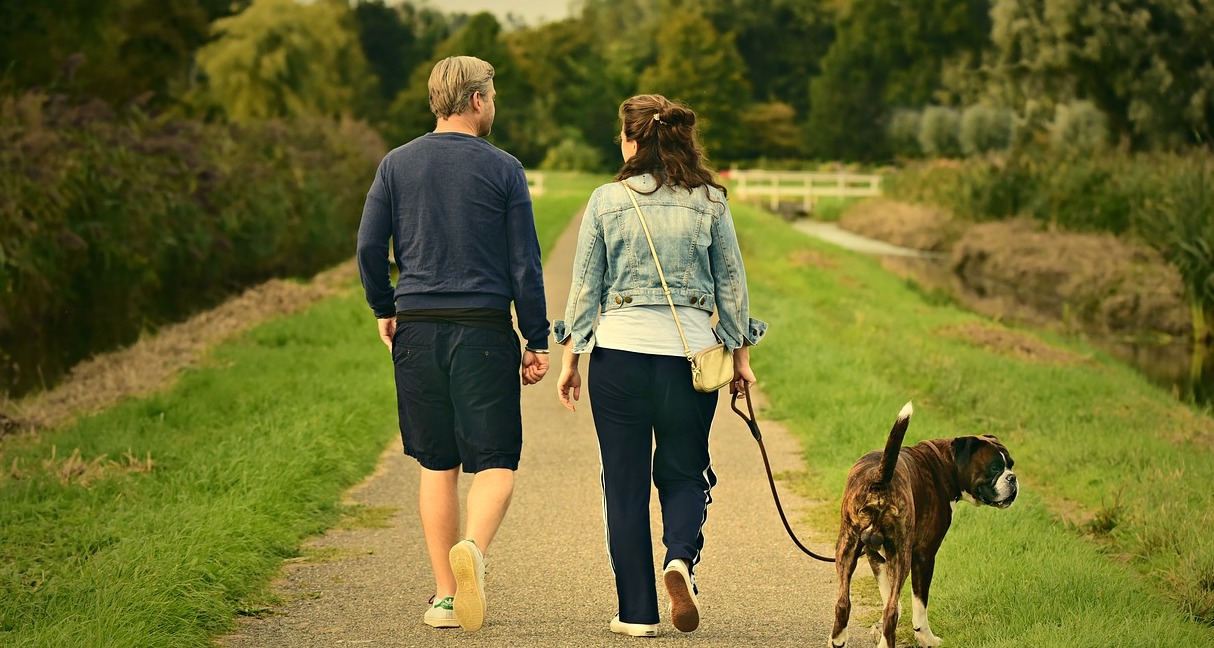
<point x="711" y="368"/>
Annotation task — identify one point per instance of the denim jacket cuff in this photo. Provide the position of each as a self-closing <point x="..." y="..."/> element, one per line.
<point x="755" y="331"/>
<point x="560" y="332"/>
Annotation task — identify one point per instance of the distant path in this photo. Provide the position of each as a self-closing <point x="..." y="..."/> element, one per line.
<point x="549" y="582"/>
<point x="834" y="234"/>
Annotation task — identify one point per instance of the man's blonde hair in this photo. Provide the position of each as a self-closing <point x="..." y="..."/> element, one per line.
<point x="454" y="80"/>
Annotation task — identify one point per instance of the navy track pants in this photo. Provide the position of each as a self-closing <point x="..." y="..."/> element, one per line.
<point x="638" y="399"/>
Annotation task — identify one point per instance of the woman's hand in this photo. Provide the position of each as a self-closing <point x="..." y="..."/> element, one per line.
<point x="743" y="377"/>
<point x="569" y="385"/>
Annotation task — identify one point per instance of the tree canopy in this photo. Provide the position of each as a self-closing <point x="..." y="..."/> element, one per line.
<point x="827" y="79"/>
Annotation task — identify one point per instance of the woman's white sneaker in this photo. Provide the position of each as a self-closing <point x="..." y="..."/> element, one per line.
<point x="684" y="606"/>
<point x="633" y="629"/>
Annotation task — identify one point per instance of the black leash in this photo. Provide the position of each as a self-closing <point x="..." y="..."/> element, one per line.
<point x="754" y="431"/>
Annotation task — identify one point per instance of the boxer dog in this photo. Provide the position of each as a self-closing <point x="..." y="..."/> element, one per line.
<point x="897" y="506"/>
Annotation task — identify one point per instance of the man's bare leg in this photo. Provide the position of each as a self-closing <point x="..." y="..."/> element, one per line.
<point x="439" y="505"/>
<point x="488" y="499"/>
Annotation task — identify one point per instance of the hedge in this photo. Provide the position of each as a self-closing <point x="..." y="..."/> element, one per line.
<point x="112" y="223"/>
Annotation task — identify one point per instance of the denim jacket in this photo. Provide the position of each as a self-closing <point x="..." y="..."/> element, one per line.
<point x="695" y="240"/>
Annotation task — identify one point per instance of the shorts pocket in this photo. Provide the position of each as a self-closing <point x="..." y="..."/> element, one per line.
<point x="491" y="371"/>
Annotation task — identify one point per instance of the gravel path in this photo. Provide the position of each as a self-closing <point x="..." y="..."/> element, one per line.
<point x="549" y="582"/>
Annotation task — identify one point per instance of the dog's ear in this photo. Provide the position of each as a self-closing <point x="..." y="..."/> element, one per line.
<point x="963" y="448"/>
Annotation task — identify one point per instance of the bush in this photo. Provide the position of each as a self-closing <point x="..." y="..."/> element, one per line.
<point x="985" y="129"/>
<point x="903" y="132"/>
<point x="939" y="132"/>
<point x="1079" y="129"/>
<point x="112" y="224"/>
<point x="573" y="154"/>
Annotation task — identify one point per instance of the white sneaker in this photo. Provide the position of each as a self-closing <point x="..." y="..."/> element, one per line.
<point x="441" y="614"/>
<point x="633" y="629"/>
<point x="684" y="606"/>
<point x="468" y="565"/>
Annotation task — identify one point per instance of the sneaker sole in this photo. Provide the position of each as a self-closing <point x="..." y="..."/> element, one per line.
<point x="469" y="596"/>
<point x="683" y="611"/>
<point x="445" y="623"/>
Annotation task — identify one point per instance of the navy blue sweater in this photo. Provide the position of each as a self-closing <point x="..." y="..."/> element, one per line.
<point x="458" y="212"/>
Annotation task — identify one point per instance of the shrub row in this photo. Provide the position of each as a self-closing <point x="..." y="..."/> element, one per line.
<point x="111" y="224"/>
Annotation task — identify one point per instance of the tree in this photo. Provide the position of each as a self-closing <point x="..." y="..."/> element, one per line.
<point x="564" y="66"/>
<point x="37" y="38"/>
<point x="1146" y="64"/>
<point x="279" y="58"/>
<point x="515" y="128"/>
<point x="386" y="43"/>
<point x="781" y="41"/>
<point x="888" y="53"/>
<point x="775" y="131"/>
<point x="847" y="107"/>
<point x="701" y="67"/>
<point x="117" y="50"/>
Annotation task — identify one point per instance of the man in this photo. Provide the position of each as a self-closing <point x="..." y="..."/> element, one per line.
<point x="458" y="212"/>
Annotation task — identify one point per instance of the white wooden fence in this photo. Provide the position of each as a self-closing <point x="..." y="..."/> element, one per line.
<point x="806" y="187"/>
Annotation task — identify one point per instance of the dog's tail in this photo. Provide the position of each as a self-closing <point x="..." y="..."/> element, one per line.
<point x="893" y="446"/>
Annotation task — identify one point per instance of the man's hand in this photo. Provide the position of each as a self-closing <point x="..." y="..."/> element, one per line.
<point x="387" y="330"/>
<point x="535" y="366"/>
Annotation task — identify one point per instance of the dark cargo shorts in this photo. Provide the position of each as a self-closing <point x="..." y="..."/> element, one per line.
<point x="457" y="394"/>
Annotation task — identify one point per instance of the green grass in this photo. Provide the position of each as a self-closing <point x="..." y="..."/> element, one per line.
<point x="830" y="209"/>
<point x="1093" y="441"/>
<point x="249" y="454"/>
<point x="564" y="194"/>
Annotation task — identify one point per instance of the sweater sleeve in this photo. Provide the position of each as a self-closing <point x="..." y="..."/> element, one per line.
<point x="374" y="234"/>
<point x="526" y="272"/>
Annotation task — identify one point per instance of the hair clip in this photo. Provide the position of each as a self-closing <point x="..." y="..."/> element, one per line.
<point x="657" y="117"/>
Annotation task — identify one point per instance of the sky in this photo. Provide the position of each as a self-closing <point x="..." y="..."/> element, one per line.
<point x="532" y="11"/>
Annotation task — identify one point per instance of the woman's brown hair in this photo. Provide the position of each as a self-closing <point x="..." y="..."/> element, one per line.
<point x="667" y="147"/>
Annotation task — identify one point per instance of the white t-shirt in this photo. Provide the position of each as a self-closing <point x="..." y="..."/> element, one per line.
<point x="651" y="329"/>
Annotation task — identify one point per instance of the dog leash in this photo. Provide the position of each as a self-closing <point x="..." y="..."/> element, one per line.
<point x="753" y="424"/>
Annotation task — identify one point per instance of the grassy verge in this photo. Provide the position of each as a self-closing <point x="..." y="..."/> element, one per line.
<point x="830" y="209"/>
<point x="1107" y="545"/>
<point x="157" y="521"/>
<point x="565" y="193"/>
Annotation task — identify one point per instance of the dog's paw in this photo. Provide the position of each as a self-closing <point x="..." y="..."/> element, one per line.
<point x="839" y="641"/>
<point x="926" y="639"/>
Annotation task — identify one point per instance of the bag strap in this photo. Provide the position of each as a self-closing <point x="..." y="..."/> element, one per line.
<point x="654" y="251"/>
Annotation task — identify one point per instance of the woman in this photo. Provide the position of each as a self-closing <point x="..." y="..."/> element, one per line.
<point x="640" y="379"/>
